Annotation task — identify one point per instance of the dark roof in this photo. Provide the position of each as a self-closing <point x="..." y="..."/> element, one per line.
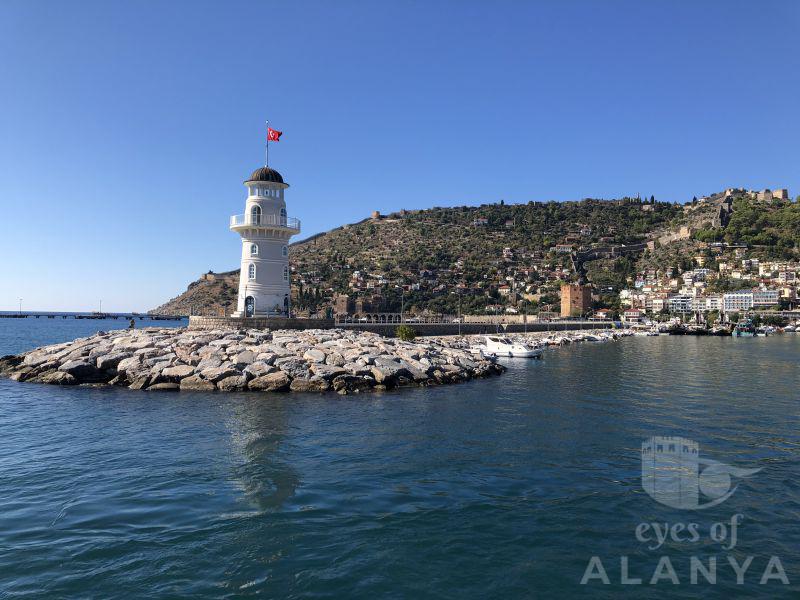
<point x="266" y="174"/>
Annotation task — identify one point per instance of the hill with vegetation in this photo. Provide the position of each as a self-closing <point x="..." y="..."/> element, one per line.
<point x="501" y="257"/>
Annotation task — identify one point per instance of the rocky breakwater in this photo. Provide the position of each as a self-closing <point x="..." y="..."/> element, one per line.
<point x="237" y="360"/>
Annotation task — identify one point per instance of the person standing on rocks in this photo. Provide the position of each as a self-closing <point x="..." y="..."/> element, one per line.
<point x="132" y="324"/>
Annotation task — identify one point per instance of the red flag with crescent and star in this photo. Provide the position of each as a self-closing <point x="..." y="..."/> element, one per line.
<point x="273" y="135"/>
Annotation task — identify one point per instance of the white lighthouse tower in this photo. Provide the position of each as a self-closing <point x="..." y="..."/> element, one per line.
<point x="265" y="230"/>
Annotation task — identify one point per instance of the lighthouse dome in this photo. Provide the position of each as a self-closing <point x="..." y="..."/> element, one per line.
<point x="266" y="174"/>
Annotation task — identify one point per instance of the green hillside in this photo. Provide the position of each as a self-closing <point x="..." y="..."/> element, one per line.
<point x="503" y="255"/>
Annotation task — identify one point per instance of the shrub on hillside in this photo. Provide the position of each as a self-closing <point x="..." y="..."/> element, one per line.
<point x="405" y="333"/>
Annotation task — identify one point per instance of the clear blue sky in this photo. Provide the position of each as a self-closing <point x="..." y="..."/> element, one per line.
<point x="127" y="128"/>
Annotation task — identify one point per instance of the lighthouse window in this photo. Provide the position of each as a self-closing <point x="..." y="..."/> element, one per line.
<point x="285" y="251"/>
<point x="253" y="249"/>
<point x="286" y="273"/>
<point x="251" y="271"/>
<point x="255" y="215"/>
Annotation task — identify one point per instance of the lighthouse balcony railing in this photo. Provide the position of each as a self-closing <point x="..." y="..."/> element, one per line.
<point x="265" y="221"/>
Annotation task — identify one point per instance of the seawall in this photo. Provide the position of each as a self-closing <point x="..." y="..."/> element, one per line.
<point x="388" y="329"/>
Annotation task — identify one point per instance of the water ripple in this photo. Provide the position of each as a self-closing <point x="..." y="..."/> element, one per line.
<point x="497" y="488"/>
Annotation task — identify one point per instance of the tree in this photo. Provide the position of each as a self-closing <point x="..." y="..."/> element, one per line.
<point x="405" y="333"/>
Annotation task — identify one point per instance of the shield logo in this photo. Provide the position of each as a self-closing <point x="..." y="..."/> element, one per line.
<point x="672" y="474"/>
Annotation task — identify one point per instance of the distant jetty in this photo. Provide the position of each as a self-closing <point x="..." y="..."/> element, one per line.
<point x="93" y="315"/>
<point x="316" y="360"/>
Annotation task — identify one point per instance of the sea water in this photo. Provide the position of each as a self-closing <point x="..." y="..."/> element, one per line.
<point x="517" y="486"/>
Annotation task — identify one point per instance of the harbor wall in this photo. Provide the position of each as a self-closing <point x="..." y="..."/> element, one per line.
<point x="426" y="329"/>
<point x="258" y="323"/>
<point x="388" y="329"/>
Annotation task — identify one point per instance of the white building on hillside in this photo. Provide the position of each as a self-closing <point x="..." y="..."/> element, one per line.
<point x="766" y="297"/>
<point x="737" y="301"/>
<point x="265" y="229"/>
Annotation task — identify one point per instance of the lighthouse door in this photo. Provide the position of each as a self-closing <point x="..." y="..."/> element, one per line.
<point x="249" y="306"/>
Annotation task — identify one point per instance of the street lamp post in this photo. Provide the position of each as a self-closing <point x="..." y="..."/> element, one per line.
<point x="459" y="312"/>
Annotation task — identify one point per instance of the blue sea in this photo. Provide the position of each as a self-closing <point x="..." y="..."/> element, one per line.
<point x="519" y="486"/>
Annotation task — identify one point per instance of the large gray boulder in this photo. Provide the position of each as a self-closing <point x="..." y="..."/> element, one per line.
<point x="266" y="357"/>
<point x="197" y="383"/>
<point x="315" y="384"/>
<point x="111" y="361"/>
<point x="327" y="371"/>
<point x="133" y="363"/>
<point x="386" y="370"/>
<point x="209" y="362"/>
<point x="216" y="374"/>
<point x="271" y="382"/>
<point x="176" y="374"/>
<point x="336" y="359"/>
<point x="257" y="369"/>
<point x="357" y="369"/>
<point x="163" y="387"/>
<point x="58" y="378"/>
<point x="314" y="355"/>
<point x="232" y="384"/>
<point x="295" y="367"/>
<point x="36" y="358"/>
<point x="244" y="358"/>
<point x="9" y="362"/>
<point x="347" y="384"/>
<point x="84" y="371"/>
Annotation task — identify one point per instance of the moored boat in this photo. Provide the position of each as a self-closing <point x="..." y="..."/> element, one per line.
<point x="495" y="345"/>
<point x="744" y="329"/>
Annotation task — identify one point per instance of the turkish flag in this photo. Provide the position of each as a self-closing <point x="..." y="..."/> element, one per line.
<point x="273" y="135"/>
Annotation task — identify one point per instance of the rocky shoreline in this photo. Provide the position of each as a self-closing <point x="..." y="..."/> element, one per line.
<point x="315" y="360"/>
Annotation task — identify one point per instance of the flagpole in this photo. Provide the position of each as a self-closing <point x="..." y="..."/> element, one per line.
<point x="266" y="164"/>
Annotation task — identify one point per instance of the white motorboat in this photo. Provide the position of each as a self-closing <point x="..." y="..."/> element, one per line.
<point x="495" y="345"/>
